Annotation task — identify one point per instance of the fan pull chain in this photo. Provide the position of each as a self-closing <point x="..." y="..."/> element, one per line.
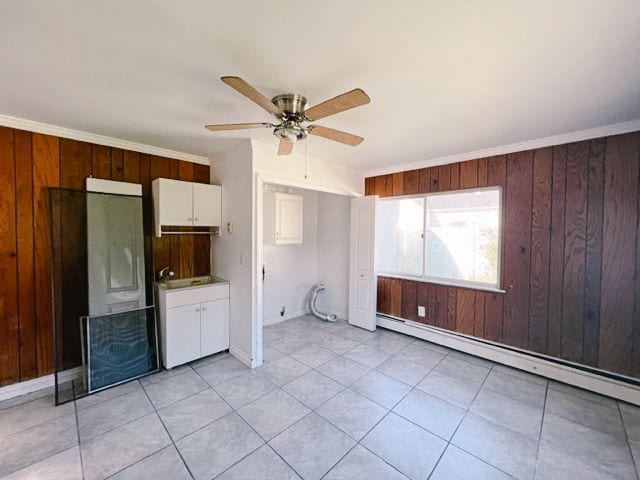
<point x="305" y="160"/>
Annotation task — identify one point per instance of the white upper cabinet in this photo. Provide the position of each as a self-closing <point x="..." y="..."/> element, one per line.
<point x="283" y="221"/>
<point x="185" y="204"/>
<point x="206" y="205"/>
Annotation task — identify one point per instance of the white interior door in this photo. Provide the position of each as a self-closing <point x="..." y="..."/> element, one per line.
<point x="362" y="275"/>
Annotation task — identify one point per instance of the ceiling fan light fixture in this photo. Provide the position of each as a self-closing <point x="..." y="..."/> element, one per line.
<point x="291" y="132"/>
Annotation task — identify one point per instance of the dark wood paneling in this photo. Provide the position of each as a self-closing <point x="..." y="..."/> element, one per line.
<point x="425" y="180"/>
<point x="75" y="163"/>
<point x="46" y="173"/>
<point x="444" y="178"/>
<point x="31" y="163"/>
<point x="593" y="262"/>
<point x="570" y="256"/>
<point x="25" y="246"/>
<point x="117" y="164"/>
<point x="619" y="248"/>
<point x="441" y="305"/>
<point x="131" y="167"/>
<point x="465" y="311"/>
<point x="395" y="297"/>
<point x="469" y="174"/>
<point x="478" y="321"/>
<point x="422" y="295"/>
<point x="101" y="162"/>
<point x="384" y="296"/>
<point x="540" y="238"/>
<point x="397" y="182"/>
<point x="556" y="251"/>
<point x="411" y="182"/>
<point x="517" y="249"/>
<point x="409" y="300"/>
<point x="9" y="326"/>
<point x="575" y="243"/>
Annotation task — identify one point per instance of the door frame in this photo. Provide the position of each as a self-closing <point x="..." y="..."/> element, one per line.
<point x="257" y="323"/>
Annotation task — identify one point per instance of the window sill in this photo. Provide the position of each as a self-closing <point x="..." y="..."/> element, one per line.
<point x="481" y="288"/>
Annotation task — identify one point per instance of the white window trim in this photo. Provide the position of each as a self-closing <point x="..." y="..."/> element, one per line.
<point x="449" y="281"/>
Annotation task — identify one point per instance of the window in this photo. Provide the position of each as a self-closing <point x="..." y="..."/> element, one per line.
<point x="451" y="237"/>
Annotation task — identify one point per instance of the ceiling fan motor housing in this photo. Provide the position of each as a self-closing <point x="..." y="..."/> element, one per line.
<point x="291" y="104"/>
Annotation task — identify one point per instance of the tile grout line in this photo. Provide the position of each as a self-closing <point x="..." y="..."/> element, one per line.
<point x="544" y="411"/>
<point x="75" y="409"/>
<point x="626" y="436"/>
<point x="265" y="442"/>
<point x="167" y="431"/>
<point x="467" y="410"/>
<point x="389" y="411"/>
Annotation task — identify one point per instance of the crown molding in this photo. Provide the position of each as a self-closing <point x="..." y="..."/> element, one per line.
<point x="604" y="131"/>
<point x="44" y="128"/>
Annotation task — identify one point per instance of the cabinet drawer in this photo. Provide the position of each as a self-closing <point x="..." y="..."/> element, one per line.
<point x="194" y="295"/>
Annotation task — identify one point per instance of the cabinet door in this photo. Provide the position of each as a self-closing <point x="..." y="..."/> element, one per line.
<point x="176" y="202"/>
<point x="214" y="325"/>
<point x="288" y="218"/>
<point x="207" y="203"/>
<point x="182" y="342"/>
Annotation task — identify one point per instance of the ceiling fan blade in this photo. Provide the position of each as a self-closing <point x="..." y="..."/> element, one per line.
<point x="335" y="135"/>
<point x="346" y="101"/>
<point x="252" y="94"/>
<point x="236" y="126"/>
<point x="285" y="147"/>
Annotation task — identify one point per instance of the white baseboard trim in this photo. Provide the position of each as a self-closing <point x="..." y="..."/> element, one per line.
<point x="47" y="129"/>
<point x="277" y="318"/>
<point x="522" y="361"/>
<point x="40" y="383"/>
<point x="242" y="356"/>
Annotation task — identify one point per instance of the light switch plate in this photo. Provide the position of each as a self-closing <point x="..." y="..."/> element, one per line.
<point x="421" y="311"/>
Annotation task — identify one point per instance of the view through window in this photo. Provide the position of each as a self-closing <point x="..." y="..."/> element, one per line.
<point x="451" y="237"/>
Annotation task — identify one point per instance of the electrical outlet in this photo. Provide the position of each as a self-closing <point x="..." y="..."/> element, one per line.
<point x="422" y="311"/>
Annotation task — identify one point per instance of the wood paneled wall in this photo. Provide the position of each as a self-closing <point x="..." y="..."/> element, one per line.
<point x="570" y="256"/>
<point x="31" y="162"/>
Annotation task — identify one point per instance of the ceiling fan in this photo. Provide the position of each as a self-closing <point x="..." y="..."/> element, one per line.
<point x="292" y="113"/>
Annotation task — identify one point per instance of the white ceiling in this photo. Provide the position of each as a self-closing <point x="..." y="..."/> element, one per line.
<point x="445" y="77"/>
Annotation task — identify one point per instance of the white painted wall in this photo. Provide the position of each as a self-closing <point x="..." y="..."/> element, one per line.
<point x="291" y="270"/>
<point x="312" y="173"/>
<point x="334" y="223"/>
<point x="232" y="253"/>
<point x="237" y="257"/>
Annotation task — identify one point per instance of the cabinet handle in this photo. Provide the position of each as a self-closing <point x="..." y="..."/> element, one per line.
<point x="196" y="219"/>
<point x="204" y="308"/>
<point x="197" y="309"/>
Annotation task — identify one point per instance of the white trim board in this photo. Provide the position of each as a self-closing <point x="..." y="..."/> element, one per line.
<point x="521" y="361"/>
<point x="100" y="185"/>
<point x="39" y="383"/>
<point x="38" y="127"/>
<point x="604" y="131"/>
<point x="242" y="356"/>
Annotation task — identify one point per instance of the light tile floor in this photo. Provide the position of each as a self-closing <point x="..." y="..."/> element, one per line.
<point x="332" y="402"/>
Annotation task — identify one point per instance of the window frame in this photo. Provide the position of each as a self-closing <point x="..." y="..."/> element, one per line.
<point x="446" y="281"/>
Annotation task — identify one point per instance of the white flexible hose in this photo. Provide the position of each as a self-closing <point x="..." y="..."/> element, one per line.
<point x="327" y="317"/>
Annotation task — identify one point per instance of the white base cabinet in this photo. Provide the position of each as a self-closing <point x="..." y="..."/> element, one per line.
<point x="194" y="322"/>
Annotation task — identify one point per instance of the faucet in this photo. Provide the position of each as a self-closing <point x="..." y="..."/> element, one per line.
<point x="162" y="273"/>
